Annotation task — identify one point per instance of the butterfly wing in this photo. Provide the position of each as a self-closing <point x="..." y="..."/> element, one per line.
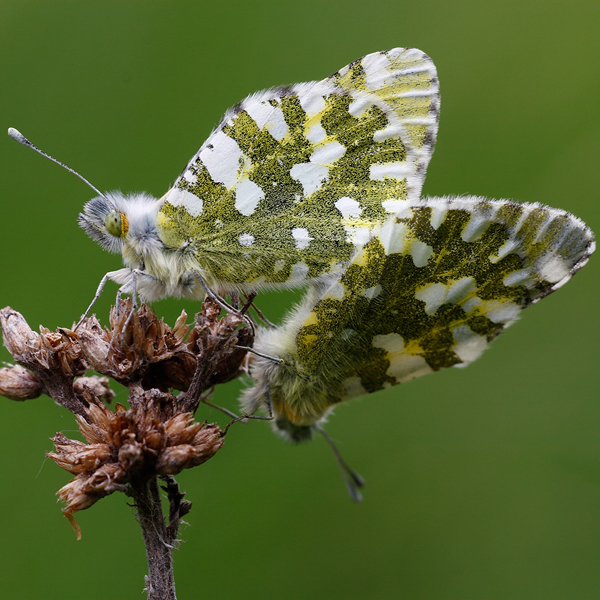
<point x="404" y="80"/>
<point x="293" y="178"/>
<point x="440" y="280"/>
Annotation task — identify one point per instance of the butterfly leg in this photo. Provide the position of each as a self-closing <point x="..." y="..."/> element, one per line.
<point x="245" y="416"/>
<point x="250" y="303"/>
<point x="134" y="303"/>
<point x="214" y="297"/>
<point x="262" y="317"/>
<point x="204" y="400"/>
<point x="352" y="478"/>
<point x="236" y="418"/>
<point x="222" y="303"/>
<point x="253" y="351"/>
<point x="96" y="296"/>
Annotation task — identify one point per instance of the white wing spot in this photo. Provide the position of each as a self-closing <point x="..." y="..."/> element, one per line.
<point x="395" y="237"/>
<point x="421" y="253"/>
<point x="471" y="304"/>
<point x="299" y="272"/>
<point x="348" y="207"/>
<point x="503" y="312"/>
<point x="247" y="196"/>
<point x="358" y="106"/>
<point x="395" y="170"/>
<point x="391" y="131"/>
<point x="246" y="239"/>
<point x="392" y="206"/>
<point x="316" y="133"/>
<point x="391" y="342"/>
<point x="504" y="250"/>
<point x="353" y="387"/>
<point x="310" y="176"/>
<point x="407" y="366"/>
<point x="403" y="364"/>
<point x="436" y="294"/>
<point x="372" y="292"/>
<point x="433" y="295"/>
<point x="554" y="269"/>
<point x="357" y="235"/>
<point x="475" y="228"/>
<point x="337" y="291"/>
<point x="192" y="204"/>
<point x="302" y="237"/>
<point x="495" y="310"/>
<point x="223" y="160"/>
<point x="328" y="154"/>
<point x="459" y="289"/>
<point x="268" y="117"/>
<point x="312" y="104"/>
<point x="520" y="277"/>
<point x="469" y="345"/>
<point x="376" y="70"/>
<point x="437" y="216"/>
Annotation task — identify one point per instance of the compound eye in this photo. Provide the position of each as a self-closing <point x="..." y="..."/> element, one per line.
<point x="114" y="223"/>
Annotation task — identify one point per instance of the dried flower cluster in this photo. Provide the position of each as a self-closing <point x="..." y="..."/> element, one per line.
<point x="130" y="443"/>
<point x="157" y="434"/>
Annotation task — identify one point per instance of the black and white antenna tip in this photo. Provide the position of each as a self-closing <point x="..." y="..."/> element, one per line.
<point x="16" y="135"/>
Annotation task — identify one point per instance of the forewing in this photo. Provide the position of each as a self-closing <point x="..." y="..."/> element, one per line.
<point x="293" y="178"/>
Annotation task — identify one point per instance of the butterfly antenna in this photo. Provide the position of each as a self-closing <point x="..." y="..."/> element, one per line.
<point x="352" y="478"/>
<point x="19" y="137"/>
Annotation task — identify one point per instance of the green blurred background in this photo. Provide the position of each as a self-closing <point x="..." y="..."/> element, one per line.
<point x="481" y="484"/>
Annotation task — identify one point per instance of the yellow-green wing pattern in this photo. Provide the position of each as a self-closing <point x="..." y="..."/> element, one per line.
<point x="413" y="98"/>
<point x="439" y="281"/>
<point x="294" y="178"/>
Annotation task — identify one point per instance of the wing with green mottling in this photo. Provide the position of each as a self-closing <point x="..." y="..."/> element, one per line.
<point x="294" y="178"/>
<point x="440" y="280"/>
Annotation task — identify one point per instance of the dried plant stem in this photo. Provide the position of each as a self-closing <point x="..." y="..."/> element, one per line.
<point x="160" y="583"/>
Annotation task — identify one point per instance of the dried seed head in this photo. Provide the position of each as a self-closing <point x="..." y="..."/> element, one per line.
<point x="55" y="358"/>
<point x="149" y="353"/>
<point x="189" y="444"/>
<point x="56" y="351"/>
<point x="86" y="489"/>
<point x="17" y="383"/>
<point x="143" y="441"/>
<point x="131" y="457"/>
<point x="19" y="339"/>
<point x="77" y="457"/>
<point x="93" y="389"/>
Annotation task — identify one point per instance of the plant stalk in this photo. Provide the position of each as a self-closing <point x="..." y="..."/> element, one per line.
<point x="160" y="583"/>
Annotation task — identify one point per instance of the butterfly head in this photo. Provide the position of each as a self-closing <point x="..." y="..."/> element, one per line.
<point x="122" y="224"/>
